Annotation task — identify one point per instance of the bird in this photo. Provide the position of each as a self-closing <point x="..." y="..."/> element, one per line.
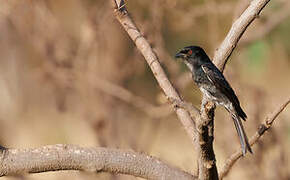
<point x="215" y="87"/>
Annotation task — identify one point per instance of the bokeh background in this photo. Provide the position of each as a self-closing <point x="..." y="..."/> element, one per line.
<point x="70" y="74"/>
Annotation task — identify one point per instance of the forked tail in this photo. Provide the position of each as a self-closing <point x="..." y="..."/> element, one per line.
<point x="242" y="135"/>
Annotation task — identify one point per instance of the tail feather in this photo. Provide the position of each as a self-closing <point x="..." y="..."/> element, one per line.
<point x="240" y="112"/>
<point x="242" y="135"/>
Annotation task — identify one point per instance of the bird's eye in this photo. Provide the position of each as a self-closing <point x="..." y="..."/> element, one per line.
<point x="189" y="52"/>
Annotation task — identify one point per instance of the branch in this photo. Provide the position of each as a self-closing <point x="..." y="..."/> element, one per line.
<point x="153" y="62"/>
<point x="205" y="126"/>
<point x="254" y="139"/>
<point x="71" y="157"/>
<point x="185" y="105"/>
<point x="237" y="30"/>
<point x="274" y="21"/>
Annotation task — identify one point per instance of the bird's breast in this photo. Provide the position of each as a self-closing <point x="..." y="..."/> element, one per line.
<point x="212" y="93"/>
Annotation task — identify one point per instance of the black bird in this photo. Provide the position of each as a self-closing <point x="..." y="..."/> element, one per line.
<point x="215" y="87"/>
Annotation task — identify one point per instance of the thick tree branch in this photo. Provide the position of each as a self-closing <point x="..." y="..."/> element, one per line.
<point x="205" y="126"/>
<point x="71" y="157"/>
<point x="152" y="60"/>
<point x="237" y="30"/>
<point x="254" y="139"/>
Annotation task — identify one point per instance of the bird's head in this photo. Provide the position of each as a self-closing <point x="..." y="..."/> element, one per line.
<point x="193" y="57"/>
<point x="191" y="53"/>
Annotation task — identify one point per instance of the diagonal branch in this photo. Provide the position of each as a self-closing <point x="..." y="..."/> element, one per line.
<point x="71" y="157"/>
<point x="237" y="30"/>
<point x="273" y="22"/>
<point x="254" y="139"/>
<point x="152" y="60"/>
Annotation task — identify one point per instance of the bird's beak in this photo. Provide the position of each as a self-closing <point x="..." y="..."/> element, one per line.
<point x="180" y="55"/>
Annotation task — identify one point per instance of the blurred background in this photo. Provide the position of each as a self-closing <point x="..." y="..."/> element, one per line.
<point x="70" y="74"/>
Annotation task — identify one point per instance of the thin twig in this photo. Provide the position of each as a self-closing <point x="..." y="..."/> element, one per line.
<point x="254" y="139"/>
<point x="71" y="157"/>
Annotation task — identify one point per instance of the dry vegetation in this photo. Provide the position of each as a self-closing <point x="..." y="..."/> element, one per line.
<point x="70" y="74"/>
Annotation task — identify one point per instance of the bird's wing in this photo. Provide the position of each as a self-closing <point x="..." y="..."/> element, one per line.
<point x="219" y="81"/>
